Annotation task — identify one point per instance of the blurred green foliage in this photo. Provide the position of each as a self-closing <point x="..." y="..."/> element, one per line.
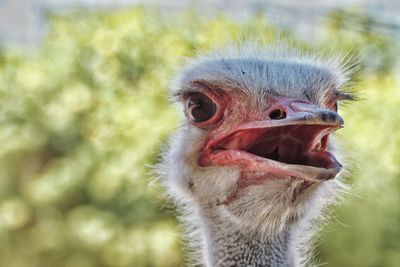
<point x="83" y="117"/>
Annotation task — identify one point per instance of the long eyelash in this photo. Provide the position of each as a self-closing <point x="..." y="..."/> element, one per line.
<point x="343" y="96"/>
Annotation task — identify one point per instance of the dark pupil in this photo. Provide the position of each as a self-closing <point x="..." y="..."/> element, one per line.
<point x="200" y="107"/>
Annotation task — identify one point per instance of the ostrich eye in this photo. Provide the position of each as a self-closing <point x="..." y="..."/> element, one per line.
<point x="200" y="107"/>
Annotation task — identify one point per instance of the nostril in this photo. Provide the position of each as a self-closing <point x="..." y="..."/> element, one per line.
<point x="277" y="114"/>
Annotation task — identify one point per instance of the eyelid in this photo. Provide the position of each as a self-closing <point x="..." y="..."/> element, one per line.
<point x="204" y="88"/>
<point x="192" y="91"/>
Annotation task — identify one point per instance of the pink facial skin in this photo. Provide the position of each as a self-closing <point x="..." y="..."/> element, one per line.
<point x="287" y="139"/>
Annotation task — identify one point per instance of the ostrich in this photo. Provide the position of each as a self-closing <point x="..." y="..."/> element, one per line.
<point x="252" y="165"/>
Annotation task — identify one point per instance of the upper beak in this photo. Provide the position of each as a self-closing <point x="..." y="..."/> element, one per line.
<point x="307" y="112"/>
<point x="292" y="112"/>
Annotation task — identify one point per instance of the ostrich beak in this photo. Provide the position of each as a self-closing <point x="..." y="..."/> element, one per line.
<point x="290" y="139"/>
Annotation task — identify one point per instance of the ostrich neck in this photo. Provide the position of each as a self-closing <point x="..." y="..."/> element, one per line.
<point x="230" y="246"/>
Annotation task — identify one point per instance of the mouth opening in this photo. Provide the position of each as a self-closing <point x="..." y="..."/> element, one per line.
<point x="299" y="145"/>
<point x="304" y="145"/>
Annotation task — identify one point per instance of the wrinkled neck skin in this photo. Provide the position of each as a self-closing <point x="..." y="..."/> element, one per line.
<point x="226" y="244"/>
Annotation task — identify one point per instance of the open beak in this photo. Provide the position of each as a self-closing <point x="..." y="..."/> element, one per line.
<point x="288" y="140"/>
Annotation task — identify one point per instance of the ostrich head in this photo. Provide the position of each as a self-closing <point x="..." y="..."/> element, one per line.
<point x="255" y="148"/>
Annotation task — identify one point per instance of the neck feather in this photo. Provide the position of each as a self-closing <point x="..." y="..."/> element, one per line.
<point x="228" y="245"/>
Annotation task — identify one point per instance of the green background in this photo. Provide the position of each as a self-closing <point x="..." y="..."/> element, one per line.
<point x="83" y="117"/>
